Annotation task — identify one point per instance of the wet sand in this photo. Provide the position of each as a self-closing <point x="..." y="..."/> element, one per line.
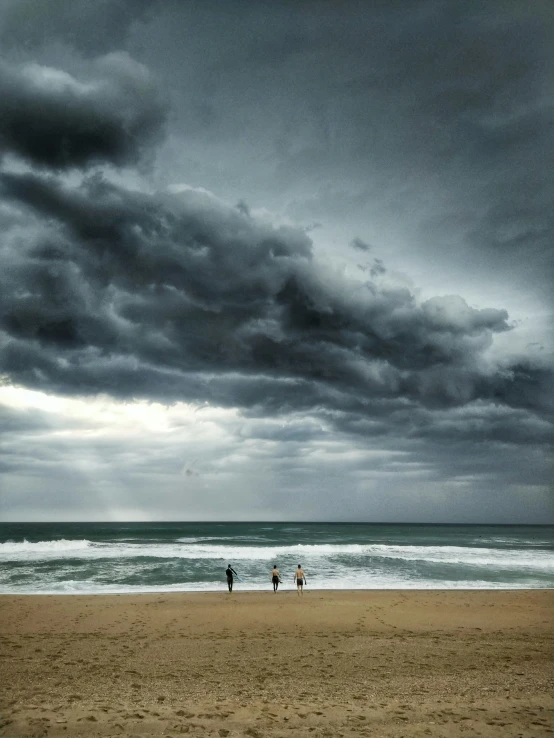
<point x="402" y="663"/>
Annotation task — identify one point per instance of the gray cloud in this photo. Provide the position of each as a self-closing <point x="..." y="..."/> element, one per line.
<point x="53" y="120"/>
<point x="92" y="27"/>
<point x="21" y="421"/>
<point x="431" y="123"/>
<point x="377" y="268"/>
<point x="181" y="297"/>
<point x="446" y="472"/>
<point x="357" y="243"/>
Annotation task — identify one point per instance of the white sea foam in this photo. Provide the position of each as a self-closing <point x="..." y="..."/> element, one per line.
<point x="69" y="586"/>
<point x="196" y="540"/>
<point x="14" y="549"/>
<point x="201" y="539"/>
<point x="362" y="555"/>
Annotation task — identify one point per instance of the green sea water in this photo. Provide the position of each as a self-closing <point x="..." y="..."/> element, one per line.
<point x="171" y="556"/>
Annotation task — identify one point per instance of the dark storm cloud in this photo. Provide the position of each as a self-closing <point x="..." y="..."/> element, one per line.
<point x="51" y="119"/>
<point x="431" y="119"/>
<point x="177" y="296"/>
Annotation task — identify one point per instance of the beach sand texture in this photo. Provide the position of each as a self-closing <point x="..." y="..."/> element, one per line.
<point x="372" y="663"/>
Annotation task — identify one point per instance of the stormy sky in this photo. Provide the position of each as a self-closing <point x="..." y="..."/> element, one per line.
<point x="276" y="260"/>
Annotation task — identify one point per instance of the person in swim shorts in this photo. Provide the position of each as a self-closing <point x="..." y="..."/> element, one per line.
<point x="229" y="571"/>
<point x="275" y="577"/>
<point x="300" y="579"/>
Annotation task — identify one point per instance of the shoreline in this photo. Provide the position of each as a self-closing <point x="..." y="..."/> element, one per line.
<point x="439" y="663"/>
<point x="223" y="590"/>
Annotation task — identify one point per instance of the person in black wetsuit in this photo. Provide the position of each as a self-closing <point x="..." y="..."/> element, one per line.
<point x="229" y="571"/>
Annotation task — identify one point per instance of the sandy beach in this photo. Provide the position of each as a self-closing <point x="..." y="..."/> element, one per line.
<point x="372" y="663"/>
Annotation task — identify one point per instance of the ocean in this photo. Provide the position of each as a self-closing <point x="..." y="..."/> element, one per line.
<point x="103" y="558"/>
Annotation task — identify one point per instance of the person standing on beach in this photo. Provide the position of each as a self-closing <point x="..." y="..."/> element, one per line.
<point x="275" y="577"/>
<point x="229" y="571"/>
<point x="300" y="579"/>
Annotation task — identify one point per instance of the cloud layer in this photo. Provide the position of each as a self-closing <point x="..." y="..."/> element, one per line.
<point x="178" y="296"/>
<point x="411" y="138"/>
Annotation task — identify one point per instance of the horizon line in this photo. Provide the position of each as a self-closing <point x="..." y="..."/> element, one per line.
<point x="269" y="522"/>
